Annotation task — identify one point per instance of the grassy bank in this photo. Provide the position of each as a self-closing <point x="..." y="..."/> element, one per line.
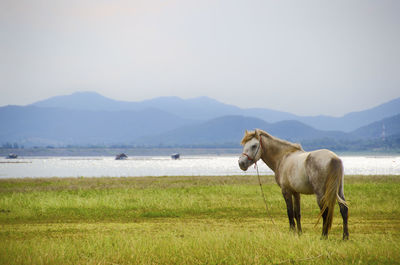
<point x="189" y="220"/>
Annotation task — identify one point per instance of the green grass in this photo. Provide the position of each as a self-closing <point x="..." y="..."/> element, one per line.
<point x="189" y="220"/>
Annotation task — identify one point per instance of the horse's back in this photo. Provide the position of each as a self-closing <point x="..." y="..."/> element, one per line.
<point x="320" y="160"/>
<point x="307" y="172"/>
<point x="319" y="165"/>
<point x="322" y="156"/>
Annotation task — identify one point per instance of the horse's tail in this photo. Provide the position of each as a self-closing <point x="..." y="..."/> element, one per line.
<point x="332" y="185"/>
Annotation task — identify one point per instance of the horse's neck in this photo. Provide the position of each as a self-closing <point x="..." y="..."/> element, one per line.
<point x="274" y="152"/>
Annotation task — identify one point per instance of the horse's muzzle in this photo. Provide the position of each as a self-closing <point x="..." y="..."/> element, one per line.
<point x="243" y="164"/>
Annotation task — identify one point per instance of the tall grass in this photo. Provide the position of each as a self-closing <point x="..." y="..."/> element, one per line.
<point x="189" y="220"/>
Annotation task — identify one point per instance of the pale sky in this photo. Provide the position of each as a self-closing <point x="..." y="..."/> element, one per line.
<point x="305" y="57"/>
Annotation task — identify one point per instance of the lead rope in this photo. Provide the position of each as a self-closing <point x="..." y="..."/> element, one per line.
<point x="262" y="193"/>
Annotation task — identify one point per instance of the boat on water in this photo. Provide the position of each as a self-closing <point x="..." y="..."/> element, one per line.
<point x="121" y="156"/>
<point x="175" y="156"/>
<point x="12" y="156"/>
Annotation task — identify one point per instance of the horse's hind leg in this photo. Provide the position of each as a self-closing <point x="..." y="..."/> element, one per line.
<point x="325" y="229"/>
<point x="297" y="214"/>
<point x="345" y="215"/>
<point x="289" y="205"/>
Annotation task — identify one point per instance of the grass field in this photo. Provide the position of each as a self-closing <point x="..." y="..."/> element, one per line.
<point x="189" y="220"/>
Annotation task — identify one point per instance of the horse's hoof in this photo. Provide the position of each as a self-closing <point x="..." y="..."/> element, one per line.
<point x="345" y="237"/>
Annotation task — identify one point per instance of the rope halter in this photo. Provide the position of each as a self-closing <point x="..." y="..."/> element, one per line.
<point x="255" y="155"/>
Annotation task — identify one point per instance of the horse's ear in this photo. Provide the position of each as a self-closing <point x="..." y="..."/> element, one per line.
<point x="244" y="138"/>
<point x="257" y="131"/>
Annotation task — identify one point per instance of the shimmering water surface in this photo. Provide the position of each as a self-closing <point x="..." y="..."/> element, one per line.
<point x="165" y="166"/>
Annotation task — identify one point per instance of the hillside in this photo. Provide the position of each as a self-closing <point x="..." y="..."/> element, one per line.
<point x="380" y="129"/>
<point x="201" y="108"/>
<point x="204" y="108"/>
<point x="354" y="120"/>
<point x="230" y="130"/>
<point x="90" y="119"/>
<point x="56" y="126"/>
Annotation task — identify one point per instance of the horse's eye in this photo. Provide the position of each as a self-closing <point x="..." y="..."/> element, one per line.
<point x="253" y="146"/>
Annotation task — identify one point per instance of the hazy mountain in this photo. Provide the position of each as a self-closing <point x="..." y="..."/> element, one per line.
<point x="201" y="108"/>
<point x="89" y="118"/>
<point x="268" y="114"/>
<point x="34" y="125"/>
<point x="230" y="130"/>
<point x="204" y="108"/>
<point x="56" y="126"/>
<point x="85" y="101"/>
<point x="354" y="120"/>
<point x="380" y="129"/>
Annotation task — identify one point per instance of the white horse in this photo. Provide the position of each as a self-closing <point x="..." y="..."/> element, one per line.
<point x="298" y="172"/>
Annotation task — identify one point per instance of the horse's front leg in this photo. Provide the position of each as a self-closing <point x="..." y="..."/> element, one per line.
<point x="297" y="214"/>
<point x="289" y="204"/>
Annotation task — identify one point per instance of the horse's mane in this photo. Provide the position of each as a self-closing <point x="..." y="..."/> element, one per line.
<point x="250" y="135"/>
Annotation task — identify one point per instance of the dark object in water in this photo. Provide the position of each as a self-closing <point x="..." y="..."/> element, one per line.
<point x="121" y="156"/>
<point x="175" y="156"/>
<point x="12" y="156"/>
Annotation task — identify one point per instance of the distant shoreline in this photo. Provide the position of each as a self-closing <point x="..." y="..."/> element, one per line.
<point x="86" y="151"/>
<point x="155" y="151"/>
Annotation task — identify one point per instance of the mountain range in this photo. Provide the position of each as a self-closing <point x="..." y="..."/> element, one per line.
<point x="88" y="118"/>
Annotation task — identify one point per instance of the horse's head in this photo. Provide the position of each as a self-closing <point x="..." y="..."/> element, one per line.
<point x="252" y="149"/>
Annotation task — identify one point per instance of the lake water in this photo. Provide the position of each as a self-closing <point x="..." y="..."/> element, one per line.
<point x="165" y="166"/>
